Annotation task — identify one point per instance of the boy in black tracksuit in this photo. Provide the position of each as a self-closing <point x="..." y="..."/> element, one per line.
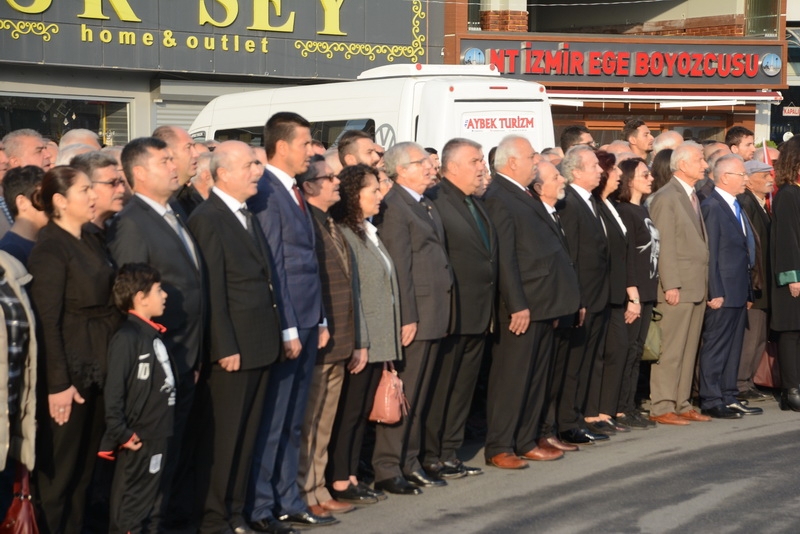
<point x="139" y="400"/>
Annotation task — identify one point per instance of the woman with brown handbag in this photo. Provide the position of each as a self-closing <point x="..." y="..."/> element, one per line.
<point x="360" y="200"/>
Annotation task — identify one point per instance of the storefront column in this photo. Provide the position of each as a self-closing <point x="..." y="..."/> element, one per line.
<point x="504" y="15"/>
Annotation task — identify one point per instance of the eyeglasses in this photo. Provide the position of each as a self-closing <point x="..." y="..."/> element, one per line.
<point x="742" y="174"/>
<point x="113" y="183"/>
<point x="385" y="181"/>
<point x="591" y="144"/>
<point x="330" y="177"/>
<point x="425" y="162"/>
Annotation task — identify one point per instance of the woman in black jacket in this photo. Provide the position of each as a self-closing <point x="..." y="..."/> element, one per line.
<point x="71" y="293"/>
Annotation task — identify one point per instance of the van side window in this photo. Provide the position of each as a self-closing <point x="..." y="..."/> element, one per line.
<point x="329" y="131"/>
<point x="252" y="135"/>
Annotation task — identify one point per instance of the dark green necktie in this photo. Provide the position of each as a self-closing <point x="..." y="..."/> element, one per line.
<point x="478" y="220"/>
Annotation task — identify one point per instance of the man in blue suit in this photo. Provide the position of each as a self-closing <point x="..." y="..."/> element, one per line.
<point x="732" y="254"/>
<point x="286" y="221"/>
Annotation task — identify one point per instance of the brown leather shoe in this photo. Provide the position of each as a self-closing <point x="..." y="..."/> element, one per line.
<point x="670" y="418"/>
<point x="506" y="460"/>
<point x="554" y="443"/>
<point x="693" y="415"/>
<point x="543" y="455"/>
<point x="317" y="509"/>
<point x="337" y="507"/>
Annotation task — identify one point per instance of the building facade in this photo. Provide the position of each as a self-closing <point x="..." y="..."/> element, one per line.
<point x="694" y="66"/>
<point x="124" y="67"/>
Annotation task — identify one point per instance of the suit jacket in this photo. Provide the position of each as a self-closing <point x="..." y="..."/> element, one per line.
<point x="139" y="234"/>
<point x="243" y="311"/>
<point x="474" y="266"/>
<point x="588" y="247"/>
<point x="618" y="252"/>
<point x="728" y="253"/>
<point x="291" y="239"/>
<point x="535" y="268"/>
<point x="339" y="278"/>
<point x="762" y="272"/>
<point x="379" y="297"/>
<point x="414" y="237"/>
<point x="785" y="257"/>
<point x="683" y="257"/>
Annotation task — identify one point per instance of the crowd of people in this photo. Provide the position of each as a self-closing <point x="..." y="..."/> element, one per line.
<point x="195" y="332"/>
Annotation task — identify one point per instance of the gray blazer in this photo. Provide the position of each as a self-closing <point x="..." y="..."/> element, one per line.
<point x="380" y="301"/>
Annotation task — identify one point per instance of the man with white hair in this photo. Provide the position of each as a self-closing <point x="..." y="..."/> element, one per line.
<point x="682" y="290"/>
<point x="530" y="240"/>
<point x="731" y="256"/>
<point x="79" y="136"/>
<point x="68" y="152"/>
<point x="588" y="245"/>
<point x="21" y="147"/>
<point x="666" y="139"/>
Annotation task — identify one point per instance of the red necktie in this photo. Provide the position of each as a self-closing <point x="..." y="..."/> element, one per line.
<point x="299" y="198"/>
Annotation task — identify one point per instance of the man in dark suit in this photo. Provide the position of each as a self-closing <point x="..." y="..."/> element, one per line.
<point x="537" y="286"/>
<point x="472" y="248"/>
<point x="244" y="331"/>
<point x="147" y="230"/>
<point x="412" y="231"/>
<point x="731" y="256"/>
<point x="753" y="202"/>
<point x="588" y="246"/>
<point x="287" y="223"/>
<point x="341" y="355"/>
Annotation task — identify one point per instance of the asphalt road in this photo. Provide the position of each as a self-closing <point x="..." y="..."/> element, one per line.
<point x="718" y="477"/>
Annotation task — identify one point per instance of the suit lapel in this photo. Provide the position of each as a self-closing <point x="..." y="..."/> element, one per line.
<point x="684" y="200"/>
<point x="294" y="208"/>
<point x="327" y="242"/>
<point x="169" y="231"/>
<point x="453" y="198"/>
<point x="228" y="218"/>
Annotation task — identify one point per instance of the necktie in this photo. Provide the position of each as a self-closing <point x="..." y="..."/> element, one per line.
<point x="426" y="206"/>
<point x="338" y="242"/>
<point x="593" y="201"/>
<point x="478" y="220"/>
<point x="738" y="209"/>
<point x="557" y="219"/>
<point x="696" y="206"/>
<point x="299" y="197"/>
<point x="248" y="218"/>
<point x="172" y="220"/>
<point x="528" y="192"/>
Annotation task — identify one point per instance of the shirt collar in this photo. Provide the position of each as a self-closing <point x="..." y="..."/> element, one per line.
<point x="686" y="187"/>
<point x="233" y="204"/>
<point x="282" y="176"/>
<point x="161" y="210"/>
<point x="727" y="197"/>
<point x="512" y="181"/>
<point x="160" y="328"/>
<point x="416" y="196"/>
<point x="370" y="229"/>
<point x="584" y="194"/>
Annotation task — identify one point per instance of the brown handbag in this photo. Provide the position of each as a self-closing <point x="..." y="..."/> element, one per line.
<point x="390" y="402"/>
<point x="21" y="518"/>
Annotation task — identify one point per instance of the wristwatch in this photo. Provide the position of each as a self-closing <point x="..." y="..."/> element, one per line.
<point x="635" y="301"/>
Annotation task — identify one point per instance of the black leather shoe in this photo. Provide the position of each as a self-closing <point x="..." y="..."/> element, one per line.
<point x="752" y="395"/>
<point x="307" y="519"/>
<point x="241" y="529"/>
<point x="273" y="526"/>
<point x="378" y="494"/>
<point x="397" y="485"/>
<point x="722" y="412"/>
<point x="790" y="399"/>
<point x="354" y="495"/>
<point x="595" y="436"/>
<point x="601" y="427"/>
<point x="466" y="469"/>
<point x="618" y="426"/>
<point x="744" y="410"/>
<point x="575" y="436"/>
<point x="421" y="480"/>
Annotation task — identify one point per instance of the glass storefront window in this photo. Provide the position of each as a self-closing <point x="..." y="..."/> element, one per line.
<point x="53" y="117"/>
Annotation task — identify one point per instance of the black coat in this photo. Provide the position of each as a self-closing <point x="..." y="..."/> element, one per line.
<point x="761" y="222"/>
<point x="71" y="294"/>
<point x="535" y="269"/>
<point x="474" y="266"/>
<point x="139" y="234"/>
<point x="618" y="257"/>
<point x="785" y="236"/>
<point x="588" y="247"/>
<point x="243" y="311"/>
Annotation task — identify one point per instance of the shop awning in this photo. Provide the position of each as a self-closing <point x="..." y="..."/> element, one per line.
<point x="664" y="99"/>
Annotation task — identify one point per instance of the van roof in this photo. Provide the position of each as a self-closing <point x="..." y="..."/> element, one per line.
<point x="418" y="69"/>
